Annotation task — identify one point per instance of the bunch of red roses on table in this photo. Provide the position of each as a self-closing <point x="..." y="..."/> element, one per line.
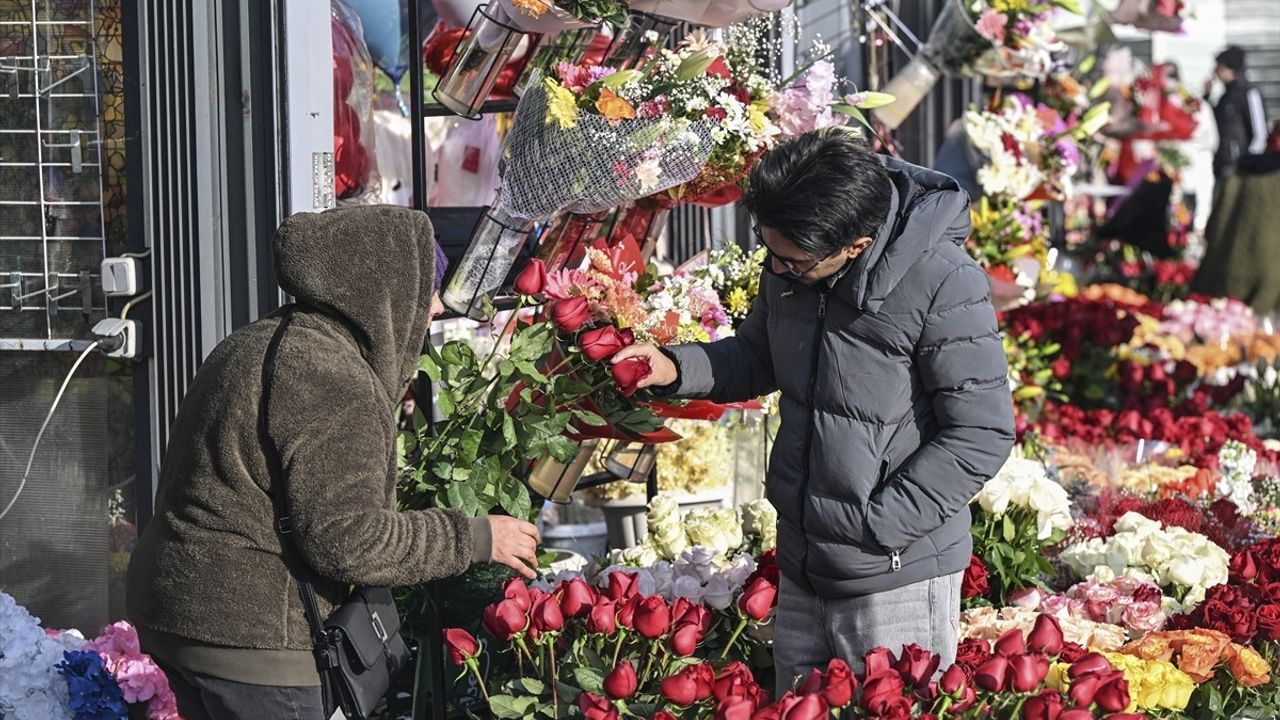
<point x="1247" y="606"/>
<point x="613" y="651"/>
<point x="1007" y="681"/>
<point x="1199" y="435"/>
<point x="1077" y="324"/>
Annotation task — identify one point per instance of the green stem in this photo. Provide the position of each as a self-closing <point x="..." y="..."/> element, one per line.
<point x="474" y="667"/>
<point x="555" y="691"/>
<point x="742" y="625"/>
<point x="617" y="648"/>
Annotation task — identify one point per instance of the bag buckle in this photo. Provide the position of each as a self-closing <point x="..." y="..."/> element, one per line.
<point x="285" y="525"/>
<point x="378" y="629"/>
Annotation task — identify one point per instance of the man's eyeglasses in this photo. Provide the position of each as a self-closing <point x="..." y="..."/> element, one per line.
<point x="795" y="269"/>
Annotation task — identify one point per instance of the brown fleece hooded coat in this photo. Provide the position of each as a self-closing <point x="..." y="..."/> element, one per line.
<point x="210" y="566"/>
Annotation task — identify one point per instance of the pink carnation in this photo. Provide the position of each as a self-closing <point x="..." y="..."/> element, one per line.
<point x="992" y="25"/>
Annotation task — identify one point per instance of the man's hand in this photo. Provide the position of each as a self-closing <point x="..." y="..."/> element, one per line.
<point x="661" y="370"/>
<point x="1208" y="87"/>
<point x="515" y="544"/>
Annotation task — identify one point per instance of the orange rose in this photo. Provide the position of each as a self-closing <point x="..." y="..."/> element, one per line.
<point x="1201" y="650"/>
<point x="1153" y="646"/>
<point x="1247" y="666"/>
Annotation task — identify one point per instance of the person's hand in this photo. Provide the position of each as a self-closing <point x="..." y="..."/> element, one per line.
<point x="515" y="544"/>
<point x="661" y="370"/>
<point x="1208" y="86"/>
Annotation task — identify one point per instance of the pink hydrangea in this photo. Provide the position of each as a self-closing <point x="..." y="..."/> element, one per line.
<point x="992" y="25"/>
<point x="139" y="678"/>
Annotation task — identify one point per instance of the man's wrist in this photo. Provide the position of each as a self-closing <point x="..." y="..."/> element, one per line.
<point x="669" y="389"/>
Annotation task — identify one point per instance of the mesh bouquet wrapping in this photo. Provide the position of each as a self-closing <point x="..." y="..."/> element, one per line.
<point x="596" y="164"/>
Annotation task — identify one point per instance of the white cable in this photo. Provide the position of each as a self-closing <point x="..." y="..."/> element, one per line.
<point x="34" y="446"/>
<point x="124" y="311"/>
<point x="142" y="254"/>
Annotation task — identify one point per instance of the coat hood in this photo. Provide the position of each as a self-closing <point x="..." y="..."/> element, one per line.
<point x="927" y="208"/>
<point x="371" y="268"/>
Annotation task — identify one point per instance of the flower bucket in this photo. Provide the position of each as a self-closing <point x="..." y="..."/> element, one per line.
<point x="495" y="244"/>
<point x="586" y="540"/>
<point x="633" y="44"/>
<point x="556" y="481"/>
<point x="568" y="46"/>
<point x="489" y="43"/>
<point x="564" y="244"/>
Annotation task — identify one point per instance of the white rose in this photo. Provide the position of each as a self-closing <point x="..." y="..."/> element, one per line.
<point x="1158" y="549"/>
<point x="994" y="496"/>
<point x="760" y="518"/>
<point x="1124" y="549"/>
<point x="1133" y="522"/>
<point x="1186" y="571"/>
<point x="687" y="587"/>
<point x="717" y="594"/>
<point x="1101" y="574"/>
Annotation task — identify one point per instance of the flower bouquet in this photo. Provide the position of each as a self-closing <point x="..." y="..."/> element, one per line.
<point x="1154" y="15"/>
<point x="584" y="140"/>
<point x="58" y="675"/>
<point x="1010" y="241"/>
<point x="1166" y="109"/>
<point x="989" y="38"/>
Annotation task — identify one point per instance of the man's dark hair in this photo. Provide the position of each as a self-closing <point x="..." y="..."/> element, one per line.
<point x="1233" y="58"/>
<point x="823" y="190"/>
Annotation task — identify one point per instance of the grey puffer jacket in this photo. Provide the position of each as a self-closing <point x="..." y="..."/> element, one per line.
<point x="895" y="401"/>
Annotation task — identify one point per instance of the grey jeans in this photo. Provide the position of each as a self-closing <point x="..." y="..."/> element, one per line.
<point x="810" y="630"/>
<point x="203" y="697"/>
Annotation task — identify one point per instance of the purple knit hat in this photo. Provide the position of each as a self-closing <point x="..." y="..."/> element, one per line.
<point x="442" y="266"/>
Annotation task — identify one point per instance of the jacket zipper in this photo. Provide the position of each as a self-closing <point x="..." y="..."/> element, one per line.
<point x="813" y="411"/>
<point x="895" y="557"/>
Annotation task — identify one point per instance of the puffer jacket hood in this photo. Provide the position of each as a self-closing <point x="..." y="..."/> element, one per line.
<point x="372" y="268"/>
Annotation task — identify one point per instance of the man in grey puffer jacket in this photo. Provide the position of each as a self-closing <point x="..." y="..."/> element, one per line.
<point x="878" y="330"/>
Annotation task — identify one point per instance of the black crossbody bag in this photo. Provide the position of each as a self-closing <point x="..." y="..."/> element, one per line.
<point x="358" y="651"/>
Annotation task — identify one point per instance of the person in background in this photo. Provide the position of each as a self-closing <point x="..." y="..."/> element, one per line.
<point x="211" y="588"/>
<point x="878" y="329"/>
<point x="1239" y="115"/>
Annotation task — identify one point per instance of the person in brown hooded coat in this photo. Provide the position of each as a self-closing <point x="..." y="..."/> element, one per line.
<point x="209" y="588"/>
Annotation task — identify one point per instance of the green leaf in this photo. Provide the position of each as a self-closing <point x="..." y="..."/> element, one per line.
<point x="516" y="500"/>
<point x="471" y="446"/>
<point x="428" y="365"/>
<point x="587" y="417"/>
<point x="1095" y="119"/>
<point x="509" y="429"/>
<point x="1072" y="6"/>
<point x="589" y="679"/>
<point x="506" y="706"/>
<point x="1099" y="88"/>
<point x="1010" y="530"/>
<point x="1086" y="66"/>
<point x="459" y="354"/>
<point x="444" y="401"/>
<point x="533" y="686"/>
<point x="562" y="448"/>
<point x="695" y="65"/>
<point x="850" y="110"/>
<point x="873" y="100"/>
<point x="613" y="81"/>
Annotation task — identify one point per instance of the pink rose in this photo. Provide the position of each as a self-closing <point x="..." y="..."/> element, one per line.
<point x="1055" y="605"/>
<point x="1102" y="594"/>
<point x="1144" y="617"/>
<point x="1028" y="599"/>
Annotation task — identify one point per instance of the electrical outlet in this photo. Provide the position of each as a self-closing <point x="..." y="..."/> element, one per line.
<point x="125" y="331"/>
<point x="120" y="276"/>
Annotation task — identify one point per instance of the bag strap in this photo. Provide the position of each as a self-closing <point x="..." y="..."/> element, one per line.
<point x="279" y="498"/>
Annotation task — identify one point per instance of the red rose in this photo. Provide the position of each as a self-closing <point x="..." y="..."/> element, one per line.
<point x="967" y="700"/>
<point x="1244" y="566"/>
<point x="1046" y="636"/>
<point x="715" y="114"/>
<point x="1236" y="620"/>
<point x="504" y="620"/>
<point x="758" y="599"/>
<point x="1184" y="373"/>
<point x="627" y="612"/>
<point x="1113" y="695"/>
<point x="517" y="592"/>
<point x="811" y="684"/>
<point x="576" y="598"/>
<point x="546" y="615"/>
<point x="810" y="707"/>
<point x="1071" y="652"/>
<point x="1011" y="643"/>
<point x="878" y="662"/>
<point x="1088" y="664"/>
<point x="991" y="675"/>
<point x="1271" y="591"/>
<point x="1269" y="621"/>
<point x="767" y="567"/>
<point x="653" y="617"/>
<point x="622" y="585"/>
<point x="690" y="685"/>
<point x="685" y="639"/>
<point x="895" y="708"/>
<point x="462" y="647"/>
<point x="734" y="681"/>
<point x="972" y="652"/>
<point x="1076" y="713"/>
<point x="917" y="665"/>
<point x="775" y="711"/>
<point x="532" y="279"/>
<point x="1084" y="689"/>
<point x="975" y="583"/>
<point x="1061" y="368"/>
<point x="685" y="613"/>
<point x="954" y="681"/>
<point x="621" y="682"/>
<point x="602" y="619"/>
<point x="1148" y="593"/>
<point x="879" y="692"/>
<point x="571" y="313"/>
<point x="738" y="708"/>
<point x="663" y="715"/>
<point x="839" y="684"/>
<point x="628" y="374"/>
<point x="1027" y="671"/>
<point x="1045" y="706"/>
<point x="594" y="707"/>
<point x="602" y="342"/>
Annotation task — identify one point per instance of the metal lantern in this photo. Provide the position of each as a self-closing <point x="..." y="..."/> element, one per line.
<point x="556" y="481"/>
<point x="477" y="61"/>
<point x="631" y="461"/>
<point x="495" y="245"/>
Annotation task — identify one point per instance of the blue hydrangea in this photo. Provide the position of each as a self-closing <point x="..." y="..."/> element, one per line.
<point x="94" y="693"/>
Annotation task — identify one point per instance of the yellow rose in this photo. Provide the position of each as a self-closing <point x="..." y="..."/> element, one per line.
<point x="1165" y="686"/>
